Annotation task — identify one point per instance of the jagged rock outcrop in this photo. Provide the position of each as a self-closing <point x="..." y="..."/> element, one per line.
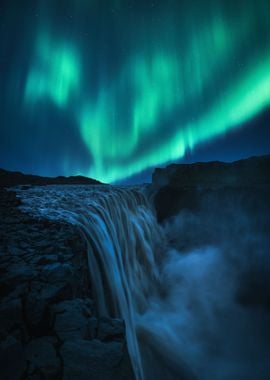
<point x="214" y="175"/>
<point x="48" y="324"/>
<point x="183" y="186"/>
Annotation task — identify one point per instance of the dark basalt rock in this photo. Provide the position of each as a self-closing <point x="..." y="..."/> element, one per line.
<point x="110" y="329"/>
<point x="42" y="359"/>
<point x="71" y="319"/>
<point x="12" y="358"/>
<point x="95" y="360"/>
<point x="183" y="186"/>
<point x="10" y="314"/>
<point x="46" y="306"/>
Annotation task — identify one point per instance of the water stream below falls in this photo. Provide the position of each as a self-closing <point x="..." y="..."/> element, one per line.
<point x="175" y="305"/>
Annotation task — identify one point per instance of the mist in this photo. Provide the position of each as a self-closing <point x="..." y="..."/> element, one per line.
<point x="213" y="315"/>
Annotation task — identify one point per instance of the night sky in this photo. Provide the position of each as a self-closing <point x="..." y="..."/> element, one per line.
<point x="112" y="88"/>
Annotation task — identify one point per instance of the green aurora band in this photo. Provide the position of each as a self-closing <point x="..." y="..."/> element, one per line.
<point x="185" y="75"/>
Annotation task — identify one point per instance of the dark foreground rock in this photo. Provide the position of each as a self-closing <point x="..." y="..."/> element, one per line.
<point x="48" y="327"/>
<point x="101" y="360"/>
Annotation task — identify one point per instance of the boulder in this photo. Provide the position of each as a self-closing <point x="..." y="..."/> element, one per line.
<point x="10" y="314"/>
<point x="57" y="272"/>
<point x="92" y="325"/>
<point x="110" y="329"/>
<point x="71" y="319"/>
<point x="37" y="305"/>
<point x="42" y="359"/>
<point x="16" y="274"/>
<point x="95" y="360"/>
<point x="12" y="360"/>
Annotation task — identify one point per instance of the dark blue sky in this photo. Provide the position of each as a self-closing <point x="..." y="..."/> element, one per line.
<point x="112" y="89"/>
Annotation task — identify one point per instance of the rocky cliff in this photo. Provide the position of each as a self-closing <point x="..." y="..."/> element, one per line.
<point x="184" y="186"/>
<point x="253" y="171"/>
<point x="49" y="327"/>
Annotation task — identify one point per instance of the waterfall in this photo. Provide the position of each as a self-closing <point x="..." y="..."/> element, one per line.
<point x="126" y="256"/>
<point x="123" y="240"/>
<point x="121" y="232"/>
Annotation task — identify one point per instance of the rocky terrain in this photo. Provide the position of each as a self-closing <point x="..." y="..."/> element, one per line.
<point x="185" y="186"/>
<point x="48" y="327"/>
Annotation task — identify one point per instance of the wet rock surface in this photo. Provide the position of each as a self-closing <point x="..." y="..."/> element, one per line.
<point x="48" y="326"/>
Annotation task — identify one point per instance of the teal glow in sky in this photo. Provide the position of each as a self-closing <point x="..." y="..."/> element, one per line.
<point x="55" y="73"/>
<point x="121" y="86"/>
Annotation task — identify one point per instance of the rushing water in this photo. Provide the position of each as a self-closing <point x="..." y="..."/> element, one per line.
<point x="124" y="253"/>
<point x="174" y="304"/>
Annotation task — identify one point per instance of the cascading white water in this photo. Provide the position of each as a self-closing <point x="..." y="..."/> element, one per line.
<point x="121" y="232"/>
<point x="123" y="240"/>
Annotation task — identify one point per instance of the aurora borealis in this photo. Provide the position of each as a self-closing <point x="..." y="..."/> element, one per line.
<point x="108" y="89"/>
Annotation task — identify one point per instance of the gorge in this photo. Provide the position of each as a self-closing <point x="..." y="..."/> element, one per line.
<point x="93" y="285"/>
